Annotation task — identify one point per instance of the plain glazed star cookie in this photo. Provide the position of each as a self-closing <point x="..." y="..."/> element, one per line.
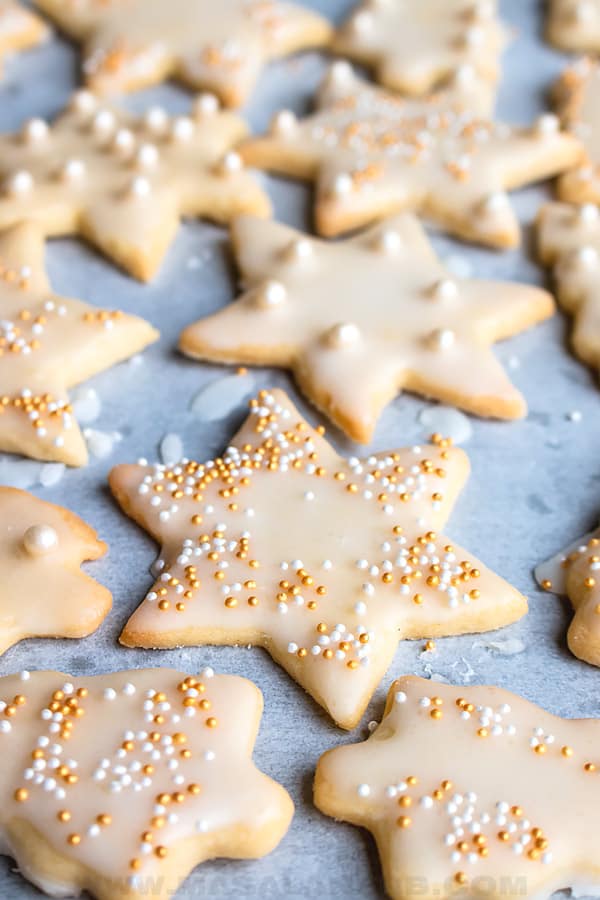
<point x="361" y="319"/>
<point x="220" y="46"/>
<point x="19" y="28"/>
<point x="576" y="94"/>
<point x="43" y="592"/>
<point x="121" y="784"/>
<point x="574" y="25"/>
<point x="47" y="345"/>
<point x="326" y="562"/>
<point x="417" y="47"/>
<point x="569" y="240"/>
<point x="122" y="181"/>
<point x="471" y="792"/>
<point x="372" y="153"/>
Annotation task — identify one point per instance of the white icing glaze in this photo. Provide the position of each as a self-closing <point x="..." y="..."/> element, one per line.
<point x="447" y="421"/>
<point x="221" y="397"/>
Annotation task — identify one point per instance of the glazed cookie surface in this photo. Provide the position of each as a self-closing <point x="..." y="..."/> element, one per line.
<point x="574" y="25"/>
<point x="576" y="95"/>
<point x="122" y="181"/>
<point x="461" y="788"/>
<point x="43" y="592"/>
<point x="121" y="784"/>
<point x="19" y="29"/>
<point x="361" y="319"/>
<point x="326" y="562"/>
<point x="221" y="46"/>
<point x="47" y="345"/>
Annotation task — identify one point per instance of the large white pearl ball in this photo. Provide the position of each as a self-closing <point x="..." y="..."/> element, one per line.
<point x="40" y="539"/>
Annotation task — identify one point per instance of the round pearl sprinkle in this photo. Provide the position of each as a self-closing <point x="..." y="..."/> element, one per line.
<point x="35" y="130"/>
<point x="272" y="294"/>
<point x="230" y="164"/>
<point x="284" y="122"/>
<point x="40" y="539"/>
<point x="147" y="156"/>
<point x="205" y="105"/>
<point x="83" y="102"/>
<point x="388" y="242"/>
<point x="72" y="170"/>
<point x="441" y="339"/>
<point x="299" y="249"/>
<point x="444" y="289"/>
<point x="343" y="335"/>
<point x="139" y="187"/>
<point x="547" y="124"/>
<point x="19" y="183"/>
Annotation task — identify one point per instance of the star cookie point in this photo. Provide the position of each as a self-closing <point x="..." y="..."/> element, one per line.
<point x="20" y="29"/>
<point x="574" y="25"/>
<point x="575" y="95"/>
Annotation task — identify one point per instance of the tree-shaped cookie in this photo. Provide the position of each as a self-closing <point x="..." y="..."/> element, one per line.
<point x="416" y="47"/>
<point x="574" y="25"/>
<point x="326" y="562"/>
<point x="471" y="791"/>
<point x="43" y="592"/>
<point x="221" y="45"/>
<point x="19" y="29"/>
<point x="576" y="95"/>
<point x="123" y="181"/>
<point x="47" y="345"/>
<point x="120" y="784"/>
<point x="569" y="240"/>
<point x="372" y="153"/>
<point x="361" y="319"/>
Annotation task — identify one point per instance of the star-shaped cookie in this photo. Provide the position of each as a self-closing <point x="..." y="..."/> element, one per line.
<point x="371" y="153"/>
<point x="574" y="25"/>
<point x="19" y="28"/>
<point x="122" y="181"/>
<point x="361" y="319"/>
<point x="326" y="562"/>
<point x="471" y="791"/>
<point x="417" y="47"/>
<point x="569" y="240"/>
<point x="43" y="592"/>
<point x="219" y="46"/>
<point x="576" y="95"/>
<point x="120" y="784"/>
<point x="47" y="345"/>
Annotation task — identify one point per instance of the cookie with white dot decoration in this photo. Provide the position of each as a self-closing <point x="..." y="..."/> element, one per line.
<point x="43" y="593"/>
<point x="569" y="241"/>
<point x="461" y="789"/>
<point x="574" y="25"/>
<point x="123" y="181"/>
<point x="576" y="96"/>
<point x="372" y="153"/>
<point x="326" y="562"/>
<point x="19" y="28"/>
<point x="121" y="784"/>
<point x="416" y="47"/>
<point x="221" y="46"/>
<point x="47" y="345"/>
<point x="359" y="320"/>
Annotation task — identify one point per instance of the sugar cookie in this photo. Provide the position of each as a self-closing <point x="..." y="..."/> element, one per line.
<point x="47" y="345"/>
<point x="360" y="319"/>
<point x="43" y="593"/>
<point x="120" y="784"/>
<point x="415" y="48"/>
<point x="471" y="791"/>
<point x="221" y="46"/>
<point x="326" y="562"/>
<point x="372" y="153"/>
<point x="569" y="240"/>
<point x="574" y="25"/>
<point x="576" y="96"/>
<point x="19" y="28"/>
<point x="123" y="181"/>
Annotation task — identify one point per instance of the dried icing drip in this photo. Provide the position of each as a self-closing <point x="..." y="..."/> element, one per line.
<point x="86" y="404"/>
<point x="101" y="443"/>
<point x="171" y="449"/>
<point x="447" y="420"/>
<point x="324" y="597"/>
<point x="221" y="397"/>
<point x="509" y="647"/>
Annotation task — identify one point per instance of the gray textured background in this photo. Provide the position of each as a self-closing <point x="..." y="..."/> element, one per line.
<point x="535" y="484"/>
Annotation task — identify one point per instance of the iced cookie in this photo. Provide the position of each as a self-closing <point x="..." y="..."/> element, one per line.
<point x="123" y="181"/>
<point x="221" y="45"/>
<point x="574" y="25"/>
<point x="19" y="29"/>
<point x="576" y="95"/>
<point x="326" y="562"/>
<point x="47" y="345"/>
<point x="575" y="573"/>
<point x="361" y="319"/>
<point x="471" y="792"/>
<point x="417" y="47"/>
<point x="120" y="784"/>
<point x="372" y="153"/>
<point x="43" y="592"/>
<point x="569" y="240"/>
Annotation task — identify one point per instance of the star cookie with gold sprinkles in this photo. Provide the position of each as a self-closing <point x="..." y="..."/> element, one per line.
<point x="569" y="241"/>
<point x="122" y="181"/>
<point x="372" y="153"/>
<point x="43" y="593"/>
<point x="20" y="29"/>
<point x="470" y="791"/>
<point x="359" y="320"/>
<point x="114" y="783"/>
<point x="47" y="345"/>
<point x="415" y="48"/>
<point x="574" y="25"/>
<point x="324" y="561"/>
<point x="575" y="573"/>
<point x="220" y="46"/>
<point x="576" y="96"/>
